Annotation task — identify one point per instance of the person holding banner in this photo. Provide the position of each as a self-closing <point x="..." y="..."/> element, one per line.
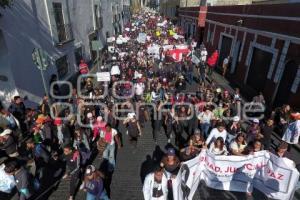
<point x="171" y="164"/>
<point x="217" y="132"/>
<point x="218" y="147"/>
<point x="196" y="144"/>
<point x="238" y="146"/>
<point x="155" y="185"/>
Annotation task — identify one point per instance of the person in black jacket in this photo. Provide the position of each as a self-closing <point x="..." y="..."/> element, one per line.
<point x="17" y="108"/>
<point x="39" y="157"/>
<point x="267" y="131"/>
<point x="72" y="159"/>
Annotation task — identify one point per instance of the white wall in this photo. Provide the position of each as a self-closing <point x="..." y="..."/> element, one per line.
<point x="28" y="25"/>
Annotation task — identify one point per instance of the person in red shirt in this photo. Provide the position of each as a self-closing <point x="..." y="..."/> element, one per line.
<point x="83" y="67"/>
<point x="212" y="62"/>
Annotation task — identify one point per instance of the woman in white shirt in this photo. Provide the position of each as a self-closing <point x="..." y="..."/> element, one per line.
<point x="237" y="146"/>
<point x="205" y="118"/>
<point x="218" y="147"/>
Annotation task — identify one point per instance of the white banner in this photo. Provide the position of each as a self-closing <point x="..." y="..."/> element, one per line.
<point x="273" y="176"/>
<point x="153" y="51"/>
<point x="142" y="38"/>
<point x="103" y="76"/>
<point x="111" y="39"/>
<point x="195" y="59"/>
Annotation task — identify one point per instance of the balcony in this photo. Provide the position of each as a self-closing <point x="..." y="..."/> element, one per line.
<point x="64" y="34"/>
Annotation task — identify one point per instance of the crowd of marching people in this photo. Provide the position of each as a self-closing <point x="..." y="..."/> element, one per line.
<point x="150" y="81"/>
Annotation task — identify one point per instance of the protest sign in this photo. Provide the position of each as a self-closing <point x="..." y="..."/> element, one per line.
<point x="195" y="59"/>
<point x="103" y="76"/>
<point x="262" y="170"/>
<point x="119" y="41"/>
<point x="153" y="51"/>
<point x="115" y="70"/>
<point x="111" y="39"/>
<point x="177" y="54"/>
<point x="142" y="38"/>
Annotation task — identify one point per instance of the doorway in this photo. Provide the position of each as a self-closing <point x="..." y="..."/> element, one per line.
<point x="259" y="67"/>
<point x="286" y="82"/>
<point x="92" y="37"/>
<point x="235" y="56"/>
<point x="225" y="51"/>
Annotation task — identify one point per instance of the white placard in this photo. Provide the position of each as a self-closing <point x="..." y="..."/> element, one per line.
<point x="103" y="76"/>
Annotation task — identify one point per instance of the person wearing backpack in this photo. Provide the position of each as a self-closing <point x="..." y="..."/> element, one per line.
<point x="73" y="166"/>
<point x="39" y="158"/>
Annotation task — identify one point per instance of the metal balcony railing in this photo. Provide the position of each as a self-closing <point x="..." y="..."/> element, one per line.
<point x="64" y="34"/>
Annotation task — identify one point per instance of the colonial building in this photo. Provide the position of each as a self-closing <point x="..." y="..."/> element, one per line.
<point x="192" y="21"/>
<point x="63" y="29"/>
<point x="169" y="8"/>
<point x="264" y="45"/>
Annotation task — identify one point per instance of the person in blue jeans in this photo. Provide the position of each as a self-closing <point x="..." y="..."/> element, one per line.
<point x="110" y="137"/>
<point x="93" y="184"/>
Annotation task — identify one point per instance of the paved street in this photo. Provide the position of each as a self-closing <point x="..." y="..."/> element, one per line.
<point x="158" y="49"/>
<point x="133" y="164"/>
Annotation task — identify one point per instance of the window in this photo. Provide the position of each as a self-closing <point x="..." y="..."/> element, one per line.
<point x="62" y="67"/>
<point x="296" y="82"/>
<point x="78" y="55"/>
<point x="63" y="30"/>
<point x="98" y="17"/>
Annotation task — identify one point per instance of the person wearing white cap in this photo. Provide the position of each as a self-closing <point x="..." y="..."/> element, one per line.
<point x="133" y="128"/>
<point x="8" y="144"/>
<point x="253" y="131"/>
<point x="234" y="128"/>
<point x="94" y="184"/>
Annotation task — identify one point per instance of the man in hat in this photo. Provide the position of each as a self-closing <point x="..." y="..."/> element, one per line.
<point x="39" y="158"/>
<point x="8" y="143"/>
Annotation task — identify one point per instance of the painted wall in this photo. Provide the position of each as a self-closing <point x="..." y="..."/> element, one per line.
<point x="270" y="28"/>
<point x="30" y="24"/>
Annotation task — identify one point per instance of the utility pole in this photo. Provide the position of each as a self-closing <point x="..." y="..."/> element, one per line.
<point x="41" y="60"/>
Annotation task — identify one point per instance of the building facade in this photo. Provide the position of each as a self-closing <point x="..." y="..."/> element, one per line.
<point x="189" y="3"/>
<point x="126" y="11"/>
<point x="264" y="45"/>
<point x="169" y="9"/>
<point x="63" y="29"/>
